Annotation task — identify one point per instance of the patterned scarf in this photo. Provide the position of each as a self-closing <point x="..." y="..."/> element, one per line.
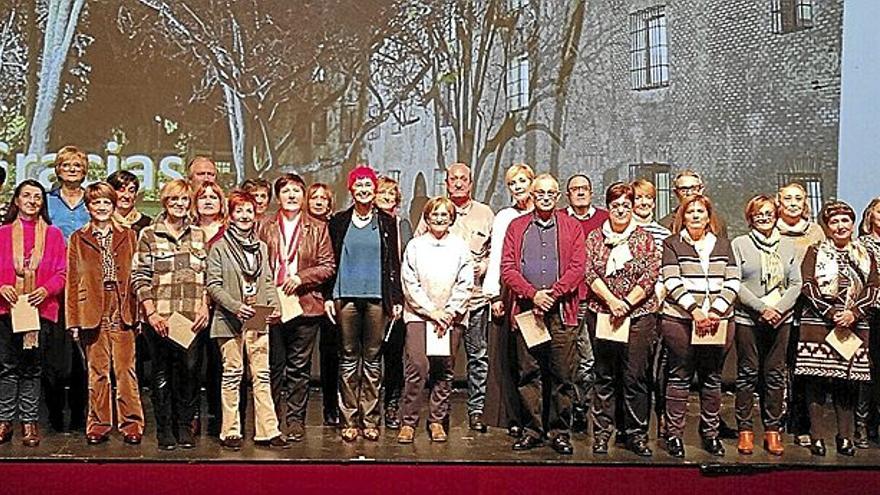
<point x="617" y="241"/>
<point x="26" y="265"/>
<point x="772" y="270"/>
<point x="241" y="243"/>
<point x="856" y="265"/>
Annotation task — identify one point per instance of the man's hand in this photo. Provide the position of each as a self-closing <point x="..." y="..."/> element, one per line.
<point x="543" y="300"/>
<point x="330" y="311"/>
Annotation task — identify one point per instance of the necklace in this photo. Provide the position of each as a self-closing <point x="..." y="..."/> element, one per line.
<point x="363" y="217"/>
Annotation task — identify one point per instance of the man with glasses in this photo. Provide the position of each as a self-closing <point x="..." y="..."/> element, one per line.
<point x="542" y="264"/>
<point x="580" y="197"/>
<point x="63" y="360"/>
<point x="686" y="184"/>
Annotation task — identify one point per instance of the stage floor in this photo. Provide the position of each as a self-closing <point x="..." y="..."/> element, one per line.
<point x="323" y="445"/>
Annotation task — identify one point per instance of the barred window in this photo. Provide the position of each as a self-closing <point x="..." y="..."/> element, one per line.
<point x="518" y="83"/>
<point x="649" y="56"/>
<point x="791" y="15"/>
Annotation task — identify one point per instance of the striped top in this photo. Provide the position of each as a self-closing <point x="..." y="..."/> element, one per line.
<point x="688" y="284"/>
<point x="657" y="231"/>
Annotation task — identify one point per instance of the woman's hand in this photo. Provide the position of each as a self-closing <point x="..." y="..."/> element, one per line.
<point x="159" y="324"/>
<point x="201" y="321"/>
<point x="245" y="312"/>
<point x="844" y="318"/>
<point x="618" y="308"/>
<point x="497" y="309"/>
<point x="702" y="322"/>
<point x="37" y="297"/>
<point x="771" y="316"/>
<point x="330" y="311"/>
<point x="9" y="293"/>
<point x="290" y="284"/>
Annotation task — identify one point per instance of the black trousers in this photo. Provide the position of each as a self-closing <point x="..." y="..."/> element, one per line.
<point x="392" y="355"/>
<point x="622" y="369"/>
<point x="549" y="365"/>
<point x="175" y="382"/>
<point x="210" y="362"/>
<point x="291" y="346"/>
<point x="329" y="355"/>
<point x="64" y="379"/>
<point x="844" y="394"/>
<point x="761" y="353"/>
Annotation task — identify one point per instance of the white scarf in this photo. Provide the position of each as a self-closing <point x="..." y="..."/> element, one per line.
<point x="772" y="269"/>
<point x="828" y="269"/>
<point x="620" y="253"/>
<point x="703" y="247"/>
<point x="796" y="230"/>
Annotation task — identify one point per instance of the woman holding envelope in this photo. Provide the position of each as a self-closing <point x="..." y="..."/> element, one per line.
<point x="366" y="293"/>
<point x="301" y="261"/>
<point x="840" y="287"/>
<point x="168" y="277"/>
<point x="771" y="283"/>
<point x="437" y="277"/>
<point x="240" y="283"/>
<point x="33" y="267"/>
<point x="702" y="280"/>
<point x="621" y="270"/>
<point x="102" y="314"/>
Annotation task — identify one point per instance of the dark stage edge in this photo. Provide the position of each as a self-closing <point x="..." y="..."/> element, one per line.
<point x="323" y="446"/>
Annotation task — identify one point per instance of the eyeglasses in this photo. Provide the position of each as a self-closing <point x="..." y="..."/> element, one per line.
<point x="546" y="194"/>
<point x="764" y="214"/>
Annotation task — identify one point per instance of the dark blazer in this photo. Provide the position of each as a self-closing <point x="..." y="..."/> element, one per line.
<point x="391" y="291"/>
<point x="84" y="294"/>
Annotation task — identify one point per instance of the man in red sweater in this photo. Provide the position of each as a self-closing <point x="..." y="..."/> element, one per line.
<point x="542" y="263"/>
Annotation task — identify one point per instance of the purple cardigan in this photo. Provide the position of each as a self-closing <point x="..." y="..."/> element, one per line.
<point x="51" y="274"/>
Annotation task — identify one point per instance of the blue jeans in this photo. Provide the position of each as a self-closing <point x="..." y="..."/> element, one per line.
<point x="476" y="348"/>
<point x="20" y="372"/>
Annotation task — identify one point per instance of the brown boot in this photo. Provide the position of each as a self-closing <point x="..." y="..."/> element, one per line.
<point x="438" y="434"/>
<point x="406" y="434"/>
<point x="30" y="434"/>
<point x="746" y="443"/>
<point x="773" y="443"/>
<point x="5" y="431"/>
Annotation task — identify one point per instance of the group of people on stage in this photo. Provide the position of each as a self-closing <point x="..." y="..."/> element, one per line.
<point x="569" y="315"/>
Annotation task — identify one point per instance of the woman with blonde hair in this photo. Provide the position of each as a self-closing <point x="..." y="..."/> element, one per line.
<point x="502" y="403"/>
<point x="794" y="219"/>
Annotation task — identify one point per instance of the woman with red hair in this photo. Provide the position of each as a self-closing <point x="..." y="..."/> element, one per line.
<point x="366" y="292"/>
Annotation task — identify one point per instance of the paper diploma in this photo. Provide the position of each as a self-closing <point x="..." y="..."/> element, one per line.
<point x="434" y="345"/>
<point x="25" y="318"/>
<point x="533" y="329"/>
<point x="290" y="306"/>
<point x="847" y="346"/>
<point x="180" y="330"/>
<point x="606" y="330"/>
<point x="258" y="321"/>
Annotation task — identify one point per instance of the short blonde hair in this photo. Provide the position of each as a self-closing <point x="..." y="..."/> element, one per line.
<point x="437" y="202"/>
<point x="176" y="187"/>
<point x="100" y="190"/>
<point x="224" y="211"/>
<point x="519" y="168"/>
<point x="68" y="153"/>
<point x="644" y="186"/>
<point x="386" y="182"/>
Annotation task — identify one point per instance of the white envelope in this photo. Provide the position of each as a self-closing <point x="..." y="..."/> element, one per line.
<point x="846" y="347"/>
<point x="434" y="345"/>
<point x="290" y="306"/>
<point x="25" y="318"/>
<point x="605" y="329"/>
<point x="533" y="330"/>
<point x="180" y="330"/>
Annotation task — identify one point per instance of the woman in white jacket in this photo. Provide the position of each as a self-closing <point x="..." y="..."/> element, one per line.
<point x="437" y="277"/>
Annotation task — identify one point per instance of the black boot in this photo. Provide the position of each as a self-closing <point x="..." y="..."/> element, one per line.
<point x="578" y="419"/>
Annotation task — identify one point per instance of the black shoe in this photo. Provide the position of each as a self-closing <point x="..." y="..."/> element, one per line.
<point x="392" y="417"/>
<point x="818" y="447"/>
<point x="515" y="431"/>
<point x="640" y="447"/>
<point x="231" y="443"/>
<point x="675" y="447"/>
<point x="185" y="438"/>
<point x="845" y="447"/>
<point x="94" y="439"/>
<point x="713" y="446"/>
<point x="860" y="439"/>
<point x="297" y="432"/>
<point x="276" y="442"/>
<point x="578" y="419"/>
<point x="475" y="423"/>
<point x="727" y="432"/>
<point x="167" y="442"/>
<point x="562" y="445"/>
<point x="331" y="418"/>
<point x="600" y="445"/>
<point x="528" y="442"/>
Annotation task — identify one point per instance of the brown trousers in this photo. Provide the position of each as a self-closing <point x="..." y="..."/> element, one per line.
<point x="417" y="366"/>
<point x="111" y="348"/>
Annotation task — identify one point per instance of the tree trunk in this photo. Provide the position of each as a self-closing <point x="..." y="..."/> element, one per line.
<point x="60" y="28"/>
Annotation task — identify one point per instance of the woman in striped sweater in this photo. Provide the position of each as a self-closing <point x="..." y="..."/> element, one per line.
<point x="702" y="280"/>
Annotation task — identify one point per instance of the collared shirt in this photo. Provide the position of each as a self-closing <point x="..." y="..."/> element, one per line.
<point x="540" y="253"/>
<point x="108" y="264"/>
<point x="65" y="217"/>
<point x="593" y="220"/>
<point x="170" y="270"/>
